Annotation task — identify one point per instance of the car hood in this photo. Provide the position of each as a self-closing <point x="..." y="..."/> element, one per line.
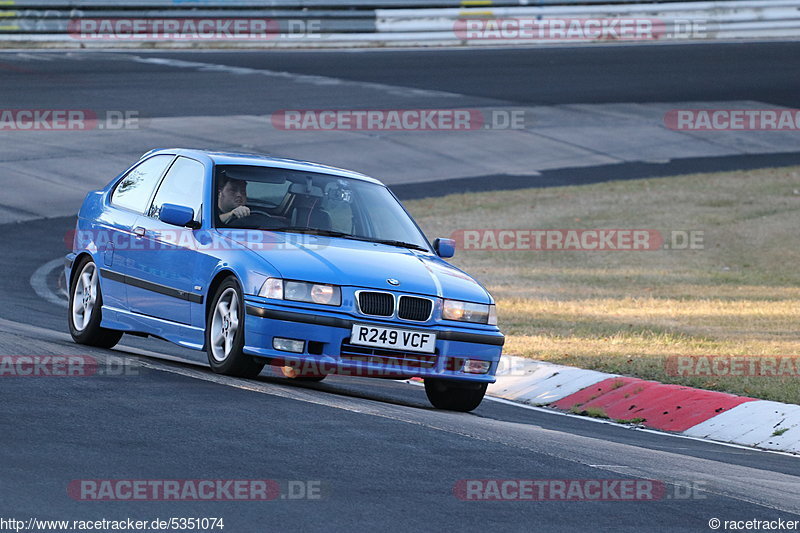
<point x="364" y="264"/>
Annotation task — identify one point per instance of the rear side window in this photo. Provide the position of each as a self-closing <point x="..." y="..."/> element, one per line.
<point x="183" y="185"/>
<point x="134" y="191"/>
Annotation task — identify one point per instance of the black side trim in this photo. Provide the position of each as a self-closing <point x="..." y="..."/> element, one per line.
<point x="111" y="275"/>
<point x="289" y="316"/>
<point x="150" y="286"/>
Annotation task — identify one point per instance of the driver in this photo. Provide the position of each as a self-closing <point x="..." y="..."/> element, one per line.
<point x="231" y="199"/>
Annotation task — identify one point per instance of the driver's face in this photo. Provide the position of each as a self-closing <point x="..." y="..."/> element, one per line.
<point x="232" y="196"/>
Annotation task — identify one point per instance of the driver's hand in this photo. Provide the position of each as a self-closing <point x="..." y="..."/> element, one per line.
<point x="241" y="212"/>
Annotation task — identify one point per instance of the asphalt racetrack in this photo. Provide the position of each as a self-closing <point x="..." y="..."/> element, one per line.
<point x="369" y="454"/>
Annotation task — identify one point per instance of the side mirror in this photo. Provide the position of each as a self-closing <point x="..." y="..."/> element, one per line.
<point x="177" y="215"/>
<point x="445" y="247"/>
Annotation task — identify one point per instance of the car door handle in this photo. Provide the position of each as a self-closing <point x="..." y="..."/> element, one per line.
<point x="139" y="232"/>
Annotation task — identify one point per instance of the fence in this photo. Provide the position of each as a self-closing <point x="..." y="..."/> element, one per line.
<point x="387" y="22"/>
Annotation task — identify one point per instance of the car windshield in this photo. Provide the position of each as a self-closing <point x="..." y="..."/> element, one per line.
<point x="275" y="199"/>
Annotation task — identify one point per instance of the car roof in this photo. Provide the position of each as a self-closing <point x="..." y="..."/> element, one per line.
<point x="232" y="158"/>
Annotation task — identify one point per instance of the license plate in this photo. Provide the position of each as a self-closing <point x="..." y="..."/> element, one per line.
<point x="395" y="339"/>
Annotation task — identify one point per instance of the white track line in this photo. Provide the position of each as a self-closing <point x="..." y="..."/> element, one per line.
<point x="323" y="81"/>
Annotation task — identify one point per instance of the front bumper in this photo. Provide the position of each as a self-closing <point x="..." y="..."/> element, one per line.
<point x="327" y="346"/>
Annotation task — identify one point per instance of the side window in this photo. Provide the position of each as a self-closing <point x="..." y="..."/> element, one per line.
<point x="270" y="194"/>
<point x="134" y="190"/>
<point x="183" y="185"/>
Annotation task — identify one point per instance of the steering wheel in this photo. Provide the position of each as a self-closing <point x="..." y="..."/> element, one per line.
<point x="254" y="220"/>
<point x="259" y="211"/>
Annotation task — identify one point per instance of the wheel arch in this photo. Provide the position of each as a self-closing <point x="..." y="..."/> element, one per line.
<point x="73" y="270"/>
<point x="217" y="280"/>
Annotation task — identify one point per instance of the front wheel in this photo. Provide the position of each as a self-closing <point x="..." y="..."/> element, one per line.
<point x="225" y="333"/>
<point x="461" y="396"/>
<point x="85" y="308"/>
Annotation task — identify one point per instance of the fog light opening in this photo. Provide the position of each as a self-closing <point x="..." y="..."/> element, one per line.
<point x="474" y="366"/>
<point x="288" y="345"/>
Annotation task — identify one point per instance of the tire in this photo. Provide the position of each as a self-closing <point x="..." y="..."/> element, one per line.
<point x="225" y="333"/>
<point x="85" y="308"/>
<point x="455" y="395"/>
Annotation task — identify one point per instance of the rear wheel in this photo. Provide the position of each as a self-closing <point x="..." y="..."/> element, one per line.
<point x="461" y="396"/>
<point x="225" y="333"/>
<point x="85" y="308"/>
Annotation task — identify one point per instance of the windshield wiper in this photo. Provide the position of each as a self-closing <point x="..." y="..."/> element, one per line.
<point x="312" y="231"/>
<point x="401" y="244"/>
<point x="330" y="233"/>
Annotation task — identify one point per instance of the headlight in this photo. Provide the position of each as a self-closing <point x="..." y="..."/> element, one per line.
<point x="272" y="288"/>
<point x="469" y="312"/>
<point x="301" y="291"/>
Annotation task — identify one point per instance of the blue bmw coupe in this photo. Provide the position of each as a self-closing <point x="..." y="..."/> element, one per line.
<point x="263" y="261"/>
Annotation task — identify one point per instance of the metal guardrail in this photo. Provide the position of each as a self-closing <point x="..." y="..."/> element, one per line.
<point x="719" y="19"/>
<point x="62" y="22"/>
<point x="296" y="4"/>
<point x="399" y="21"/>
